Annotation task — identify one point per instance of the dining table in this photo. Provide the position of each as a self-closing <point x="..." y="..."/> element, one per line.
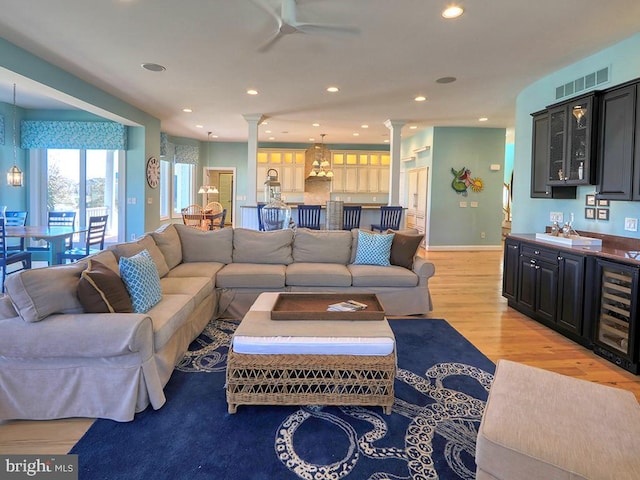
<point x="55" y="236"/>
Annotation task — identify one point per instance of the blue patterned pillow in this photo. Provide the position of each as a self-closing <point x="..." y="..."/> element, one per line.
<point x="140" y="276"/>
<point x="373" y="249"/>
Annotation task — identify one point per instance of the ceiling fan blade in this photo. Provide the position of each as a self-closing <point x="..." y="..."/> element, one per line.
<point x="323" y="28"/>
<point x="269" y="43"/>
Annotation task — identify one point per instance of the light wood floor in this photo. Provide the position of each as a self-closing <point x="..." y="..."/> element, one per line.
<point x="466" y="291"/>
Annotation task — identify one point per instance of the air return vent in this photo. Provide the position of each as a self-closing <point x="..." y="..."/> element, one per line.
<point x="583" y="84"/>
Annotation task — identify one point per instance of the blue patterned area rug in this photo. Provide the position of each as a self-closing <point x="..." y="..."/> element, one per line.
<point x="441" y="388"/>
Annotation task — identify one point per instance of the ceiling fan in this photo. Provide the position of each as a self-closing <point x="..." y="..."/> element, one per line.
<point x="288" y="24"/>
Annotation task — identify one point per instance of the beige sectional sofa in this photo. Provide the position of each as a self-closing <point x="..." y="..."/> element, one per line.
<point x="58" y="361"/>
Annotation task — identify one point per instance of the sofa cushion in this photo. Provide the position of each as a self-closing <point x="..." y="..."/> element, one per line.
<point x="404" y="248"/>
<point x="253" y="246"/>
<point x="107" y="258"/>
<point x="101" y="290"/>
<point x="373" y="249"/>
<point x="206" y="246"/>
<point x="40" y="292"/>
<point x="377" y="276"/>
<point x="169" y="315"/>
<point x="141" y="278"/>
<point x="328" y="246"/>
<point x="354" y="238"/>
<point x="168" y="241"/>
<point x="198" y="287"/>
<point x="129" y="249"/>
<point x="196" y="269"/>
<point x="318" y="274"/>
<point x="251" y="275"/>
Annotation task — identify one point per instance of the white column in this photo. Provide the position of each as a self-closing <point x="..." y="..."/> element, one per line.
<point x="395" y="126"/>
<point x="252" y="156"/>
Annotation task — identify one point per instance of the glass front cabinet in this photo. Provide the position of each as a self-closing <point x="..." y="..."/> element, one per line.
<point x="572" y="141"/>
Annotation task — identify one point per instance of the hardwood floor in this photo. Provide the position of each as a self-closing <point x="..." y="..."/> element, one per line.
<point x="466" y="291"/>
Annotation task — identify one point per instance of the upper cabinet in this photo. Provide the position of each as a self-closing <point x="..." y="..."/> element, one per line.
<point x="619" y="152"/>
<point x="573" y="141"/>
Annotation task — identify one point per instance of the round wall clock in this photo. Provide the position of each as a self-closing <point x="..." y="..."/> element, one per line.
<point x="153" y="172"/>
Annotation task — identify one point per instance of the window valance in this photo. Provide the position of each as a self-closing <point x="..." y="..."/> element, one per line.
<point x="81" y="135"/>
<point x="186" y="154"/>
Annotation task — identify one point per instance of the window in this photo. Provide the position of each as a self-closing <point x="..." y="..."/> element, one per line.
<point x="165" y="189"/>
<point x="177" y="187"/>
<point x="85" y="182"/>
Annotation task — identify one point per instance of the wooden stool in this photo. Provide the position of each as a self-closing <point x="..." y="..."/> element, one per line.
<point x="542" y="425"/>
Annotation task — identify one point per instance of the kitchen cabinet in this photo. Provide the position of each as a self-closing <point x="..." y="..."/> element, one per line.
<point x="572" y="141"/>
<point x="290" y="165"/>
<point x="617" y="153"/>
<point x="360" y="172"/>
<point x="546" y="284"/>
<point x="540" y="187"/>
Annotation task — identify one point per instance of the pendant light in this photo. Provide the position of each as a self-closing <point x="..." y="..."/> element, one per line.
<point x="15" y="177"/>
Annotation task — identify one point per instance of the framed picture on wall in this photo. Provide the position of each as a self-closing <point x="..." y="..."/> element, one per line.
<point x="603" y="214"/>
<point x="590" y="213"/>
<point x="603" y="202"/>
<point x="590" y="199"/>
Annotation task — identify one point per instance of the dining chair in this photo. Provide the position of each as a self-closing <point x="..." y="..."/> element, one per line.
<point x="193" y="216"/>
<point x="390" y="217"/>
<point x="309" y="216"/>
<point x="351" y="216"/>
<point x="16" y="219"/>
<point x="58" y="219"/>
<point x="213" y="207"/>
<point x="95" y="239"/>
<point x="8" y="258"/>
<point x="260" y="223"/>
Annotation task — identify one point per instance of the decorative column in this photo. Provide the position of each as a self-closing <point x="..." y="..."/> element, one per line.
<point x="395" y="126"/>
<point x="252" y="157"/>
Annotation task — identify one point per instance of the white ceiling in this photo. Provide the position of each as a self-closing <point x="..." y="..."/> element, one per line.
<point x="210" y="51"/>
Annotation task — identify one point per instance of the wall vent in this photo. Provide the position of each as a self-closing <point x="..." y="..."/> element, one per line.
<point x="583" y="84"/>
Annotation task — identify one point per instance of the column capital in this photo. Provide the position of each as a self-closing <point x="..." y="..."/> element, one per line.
<point x="393" y="124"/>
<point x="256" y="118"/>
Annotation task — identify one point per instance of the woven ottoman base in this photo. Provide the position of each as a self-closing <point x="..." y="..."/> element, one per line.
<point x="355" y="380"/>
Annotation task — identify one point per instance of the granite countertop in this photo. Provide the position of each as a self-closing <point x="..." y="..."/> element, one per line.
<point x="613" y="247"/>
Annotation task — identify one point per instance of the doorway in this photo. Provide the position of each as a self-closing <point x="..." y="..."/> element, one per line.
<point x="224" y="180"/>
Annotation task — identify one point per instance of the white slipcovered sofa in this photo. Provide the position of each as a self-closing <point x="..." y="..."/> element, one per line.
<point x="58" y="361"/>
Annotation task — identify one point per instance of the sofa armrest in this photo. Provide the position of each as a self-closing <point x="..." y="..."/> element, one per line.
<point x="424" y="269"/>
<point x="87" y="335"/>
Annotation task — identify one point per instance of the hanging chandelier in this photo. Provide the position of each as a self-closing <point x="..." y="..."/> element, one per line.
<point x="208" y="189"/>
<point x="321" y="164"/>
<point x="15" y="177"/>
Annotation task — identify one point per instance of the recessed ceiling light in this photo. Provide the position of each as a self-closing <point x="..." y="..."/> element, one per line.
<point x="153" y="67"/>
<point x="386" y="140"/>
<point x="356" y="134"/>
<point x="311" y="139"/>
<point x="251" y="91"/>
<point x="420" y="98"/>
<point x="315" y="124"/>
<point x="267" y="131"/>
<point x="364" y="126"/>
<point x="333" y="89"/>
<point x="452" y="12"/>
<point x="214" y="136"/>
<point x="272" y="138"/>
<point x="413" y="127"/>
<point x="199" y="126"/>
<point x="187" y="110"/>
<point x="446" y="80"/>
<point x="483" y="119"/>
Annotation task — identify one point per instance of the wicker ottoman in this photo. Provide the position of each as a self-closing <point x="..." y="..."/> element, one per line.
<point x="542" y="425"/>
<point x="308" y="379"/>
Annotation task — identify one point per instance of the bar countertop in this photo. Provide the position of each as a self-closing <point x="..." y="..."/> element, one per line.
<point x="622" y="249"/>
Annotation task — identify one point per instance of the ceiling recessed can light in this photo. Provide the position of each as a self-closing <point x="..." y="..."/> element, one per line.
<point x="356" y="134"/>
<point x="413" y="127"/>
<point x="364" y="126"/>
<point x="153" y="67"/>
<point x="187" y="110"/>
<point x="251" y="91"/>
<point x="199" y="126"/>
<point x="453" y="11"/>
<point x="420" y="98"/>
<point x="333" y="89"/>
<point x="315" y="124"/>
<point x="483" y="119"/>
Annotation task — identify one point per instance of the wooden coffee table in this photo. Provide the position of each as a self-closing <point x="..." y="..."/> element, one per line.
<point x="316" y="378"/>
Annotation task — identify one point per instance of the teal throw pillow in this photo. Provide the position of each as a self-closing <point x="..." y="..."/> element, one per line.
<point x="140" y="276"/>
<point x="373" y="249"/>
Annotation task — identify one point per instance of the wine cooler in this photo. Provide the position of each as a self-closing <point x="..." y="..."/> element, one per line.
<point x="615" y="329"/>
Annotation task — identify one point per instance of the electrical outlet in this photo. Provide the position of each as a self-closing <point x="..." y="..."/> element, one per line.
<point x="483" y="235"/>
<point x="463" y="204"/>
<point x="556" y="217"/>
<point x="631" y="224"/>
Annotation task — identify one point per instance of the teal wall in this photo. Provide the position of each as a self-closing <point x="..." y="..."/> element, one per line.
<point x="532" y="215"/>
<point x="457" y="147"/>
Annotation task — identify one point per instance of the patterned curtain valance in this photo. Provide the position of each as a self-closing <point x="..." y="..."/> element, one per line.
<point x="186" y="154"/>
<point x="83" y="135"/>
<point x="1" y="130"/>
<point x="164" y="140"/>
